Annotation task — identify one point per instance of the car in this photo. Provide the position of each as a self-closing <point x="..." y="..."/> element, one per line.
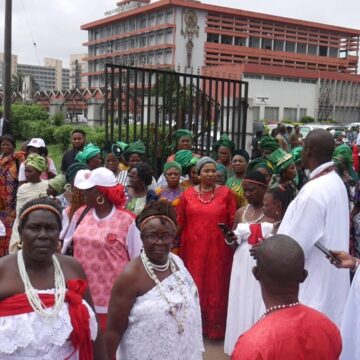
<point x="354" y="126"/>
<point x="306" y="128"/>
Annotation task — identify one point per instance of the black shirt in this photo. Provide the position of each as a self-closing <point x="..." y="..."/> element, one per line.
<point x="68" y="159"/>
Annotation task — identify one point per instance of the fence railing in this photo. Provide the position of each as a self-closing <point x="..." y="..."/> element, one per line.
<point x="150" y="104"/>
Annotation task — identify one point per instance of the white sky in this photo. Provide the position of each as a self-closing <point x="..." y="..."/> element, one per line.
<point x="54" y="25"/>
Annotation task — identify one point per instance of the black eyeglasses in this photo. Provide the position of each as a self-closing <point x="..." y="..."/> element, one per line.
<point x="154" y="237"/>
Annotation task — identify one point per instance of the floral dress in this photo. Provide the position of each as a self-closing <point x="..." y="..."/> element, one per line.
<point x="9" y="169"/>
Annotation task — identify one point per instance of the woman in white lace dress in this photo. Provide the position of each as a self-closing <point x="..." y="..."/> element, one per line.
<point x="154" y="310"/>
<point x="46" y="311"/>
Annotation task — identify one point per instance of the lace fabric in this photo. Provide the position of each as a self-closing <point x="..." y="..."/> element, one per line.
<point x="29" y="336"/>
<point x="152" y="332"/>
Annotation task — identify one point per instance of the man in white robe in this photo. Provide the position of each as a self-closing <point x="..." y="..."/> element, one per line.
<point x="320" y="212"/>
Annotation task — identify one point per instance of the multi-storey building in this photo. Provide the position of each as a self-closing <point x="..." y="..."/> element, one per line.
<point x="78" y="67"/>
<point x="14" y="60"/>
<point x="51" y="76"/>
<point x="294" y="67"/>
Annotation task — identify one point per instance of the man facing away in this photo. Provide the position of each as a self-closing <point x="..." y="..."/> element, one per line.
<point x="320" y="212"/>
<point x="78" y="139"/>
<point x="288" y="329"/>
<point x="281" y="139"/>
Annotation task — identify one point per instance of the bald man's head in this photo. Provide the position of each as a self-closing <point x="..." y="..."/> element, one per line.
<point x="280" y="262"/>
<point x="318" y="148"/>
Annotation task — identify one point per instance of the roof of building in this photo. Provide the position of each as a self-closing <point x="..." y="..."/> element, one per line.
<point x="218" y="9"/>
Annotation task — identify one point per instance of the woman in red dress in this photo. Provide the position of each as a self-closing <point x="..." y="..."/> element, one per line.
<point x="203" y="249"/>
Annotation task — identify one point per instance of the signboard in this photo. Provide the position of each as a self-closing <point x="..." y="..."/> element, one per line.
<point x="262" y="100"/>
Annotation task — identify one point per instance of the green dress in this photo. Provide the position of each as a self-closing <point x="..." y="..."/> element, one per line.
<point x="235" y="185"/>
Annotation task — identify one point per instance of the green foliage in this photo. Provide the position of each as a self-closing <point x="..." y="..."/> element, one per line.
<point x="41" y="129"/>
<point x="58" y="119"/>
<point x="21" y="113"/>
<point x="62" y="136"/>
<point x="307" y="119"/>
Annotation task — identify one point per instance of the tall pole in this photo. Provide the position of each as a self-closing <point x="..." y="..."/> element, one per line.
<point x="7" y="60"/>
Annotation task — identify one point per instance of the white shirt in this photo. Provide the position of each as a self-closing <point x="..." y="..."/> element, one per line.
<point x="320" y="212"/>
<point x="1" y="125"/>
<point x="350" y="325"/>
<point x="358" y="139"/>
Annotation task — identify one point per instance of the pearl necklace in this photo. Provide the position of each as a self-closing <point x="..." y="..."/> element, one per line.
<point x="201" y="199"/>
<point x="243" y="218"/>
<point x="278" y="307"/>
<point x="160" y="267"/>
<point x="173" y="308"/>
<point x="32" y="294"/>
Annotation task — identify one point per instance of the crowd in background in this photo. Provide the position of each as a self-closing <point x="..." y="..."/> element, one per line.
<point x="211" y="213"/>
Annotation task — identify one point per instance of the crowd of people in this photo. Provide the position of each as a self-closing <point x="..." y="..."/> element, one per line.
<point x="103" y="260"/>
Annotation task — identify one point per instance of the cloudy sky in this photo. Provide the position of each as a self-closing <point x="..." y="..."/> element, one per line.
<point x="54" y="25"/>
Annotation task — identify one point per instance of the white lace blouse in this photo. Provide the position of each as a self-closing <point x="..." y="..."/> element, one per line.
<point x="29" y="336"/>
<point x="152" y="332"/>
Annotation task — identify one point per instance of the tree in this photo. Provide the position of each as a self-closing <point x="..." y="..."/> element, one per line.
<point x="17" y="81"/>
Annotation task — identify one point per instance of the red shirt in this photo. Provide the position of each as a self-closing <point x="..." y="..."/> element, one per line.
<point x="298" y="333"/>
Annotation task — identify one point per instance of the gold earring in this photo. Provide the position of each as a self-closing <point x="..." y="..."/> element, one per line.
<point x="100" y="200"/>
<point x="20" y="245"/>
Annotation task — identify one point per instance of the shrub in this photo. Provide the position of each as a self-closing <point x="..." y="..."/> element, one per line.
<point x="42" y="129"/>
<point x="21" y="113"/>
<point x="62" y="136"/>
<point x="307" y="119"/>
<point x="58" y="119"/>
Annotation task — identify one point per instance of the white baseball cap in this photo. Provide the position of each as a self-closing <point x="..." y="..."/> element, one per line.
<point x="100" y="176"/>
<point x="36" y="142"/>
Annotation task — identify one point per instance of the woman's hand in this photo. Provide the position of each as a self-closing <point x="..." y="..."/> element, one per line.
<point x="344" y="260"/>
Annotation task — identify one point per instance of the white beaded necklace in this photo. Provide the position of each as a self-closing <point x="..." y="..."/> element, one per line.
<point x="149" y="268"/>
<point x="32" y="294"/>
<point x="245" y="221"/>
<point x="278" y="307"/>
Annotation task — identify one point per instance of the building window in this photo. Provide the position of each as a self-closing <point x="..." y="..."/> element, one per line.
<point x="266" y="44"/>
<point x="290" y="79"/>
<point x="227" y="40"/>
<point x="213" y="38"/>
<point x="290" y="46"/>
<point x="333" y="52"/>
<point x="301" y="48"/>
<point x="290" y="114"/>
<point x="302" y="113"/>
<point x="254" y="42"/>
<point x="312" y="49"/>
<point x="279" y="45"/>
<point x="271" y="113"/>
<point x="239" y="41"/>
<point x="274" y="78"/>
<point x="256" y="113"/>
<point x="323" y="50"/>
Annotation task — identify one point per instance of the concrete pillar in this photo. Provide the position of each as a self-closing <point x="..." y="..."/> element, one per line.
<point x="57" y="106"/>
<point x="96" y="112"/>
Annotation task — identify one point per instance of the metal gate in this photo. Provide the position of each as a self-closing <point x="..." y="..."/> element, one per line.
<point x="151" y="104"/>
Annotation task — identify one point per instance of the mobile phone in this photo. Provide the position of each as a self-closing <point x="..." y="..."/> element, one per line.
<point x="225" y="229"/>
<point x="326" y="251"/>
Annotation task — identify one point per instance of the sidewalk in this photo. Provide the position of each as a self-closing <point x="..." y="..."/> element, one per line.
<point x="214" y="350"/>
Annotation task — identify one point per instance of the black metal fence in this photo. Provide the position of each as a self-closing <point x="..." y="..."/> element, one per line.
<point x="150" y="104"/>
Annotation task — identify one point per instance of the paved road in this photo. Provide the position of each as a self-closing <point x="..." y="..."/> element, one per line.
<point x="214" y="350"/>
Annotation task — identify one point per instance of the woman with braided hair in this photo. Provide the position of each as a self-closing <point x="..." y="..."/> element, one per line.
<point x="154" y="308"/>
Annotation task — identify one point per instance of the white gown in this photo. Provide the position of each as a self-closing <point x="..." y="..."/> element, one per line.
<point x="152" y="333"/>
<point x="350" y="325"/>
<point x="29" y="336"/>
<point x="245" y="304"/>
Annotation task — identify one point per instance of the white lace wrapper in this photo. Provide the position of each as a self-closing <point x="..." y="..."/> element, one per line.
<point x="29" y="336"/>
<point x="152" y="332"/>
